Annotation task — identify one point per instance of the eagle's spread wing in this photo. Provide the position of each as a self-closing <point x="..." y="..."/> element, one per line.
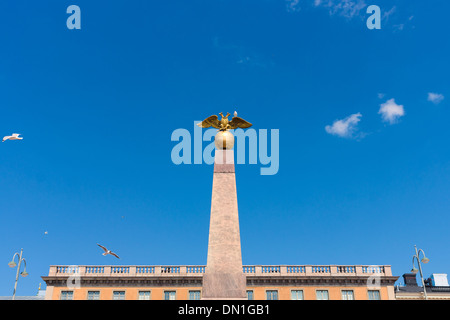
<point x="237" y="122"/>
<point x="212" y="121"/>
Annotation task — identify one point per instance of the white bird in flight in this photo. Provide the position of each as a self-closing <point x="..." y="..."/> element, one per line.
<point x="108" y="251"/>
<point x="15" y="136"/>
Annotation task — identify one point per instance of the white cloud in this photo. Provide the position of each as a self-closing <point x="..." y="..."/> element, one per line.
<point x="292" y="5"/>
<point x="386" y="14"/>
<point x="357" y="9"/>
<point x="240" y="55"/>
<point x="390" y="111"/>
<point x="346" y="8"/>
<point x="435" y="97"/>
<point x="345" y="127"/>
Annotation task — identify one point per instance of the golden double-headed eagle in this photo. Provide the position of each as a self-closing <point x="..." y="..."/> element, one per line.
<point x="224" y="124"/>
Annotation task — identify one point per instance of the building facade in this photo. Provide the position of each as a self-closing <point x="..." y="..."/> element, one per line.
<point x="435" y="290"/>
<point x="282" y="282"/>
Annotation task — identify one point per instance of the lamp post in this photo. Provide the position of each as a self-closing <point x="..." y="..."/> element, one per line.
<point x="24" y="273"/>
<point x="414" y="270"/>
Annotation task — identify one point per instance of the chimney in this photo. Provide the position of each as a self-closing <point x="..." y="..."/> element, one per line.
<point x="410" y="279"/>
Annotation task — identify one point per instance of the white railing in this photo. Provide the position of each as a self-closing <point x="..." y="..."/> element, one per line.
<point x="171" y="269"/>
<point x="346" y="269"/>
<point x="271" y="269"/>
<point x="373" y="269"/>
<point x="120" y="269"/>
<point x="249" y="270"/>
<point x="94" y="269"/>
<point x="68" y="269"/>
<point x="145" y="269"/>
<point x="295" y="269"/>
<point x="195" y="269"/>
<point x="321" y="269"/>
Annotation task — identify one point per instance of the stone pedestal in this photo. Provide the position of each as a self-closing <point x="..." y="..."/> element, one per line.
<point x="224" y="277"/>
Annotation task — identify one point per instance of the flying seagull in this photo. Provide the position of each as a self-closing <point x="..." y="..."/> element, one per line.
<point x="108" y="251"/>
<point x="15" y="136"/>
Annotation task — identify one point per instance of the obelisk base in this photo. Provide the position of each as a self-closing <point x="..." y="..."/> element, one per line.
<point x="224" y="286"/>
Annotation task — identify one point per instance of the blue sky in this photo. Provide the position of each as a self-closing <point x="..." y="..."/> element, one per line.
<point x="97" y="106"/>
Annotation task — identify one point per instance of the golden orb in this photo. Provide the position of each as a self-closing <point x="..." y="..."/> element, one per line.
<point x="224" y="140"/>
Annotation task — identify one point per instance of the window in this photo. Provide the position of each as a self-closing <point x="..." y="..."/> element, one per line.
<point x="322" y="294"/>
<point x="194" y="295"/>
<point x="118" y="295"/>
<point x="296" y="294"/>
<point x="66" y="295"/>
<point x="250" y="295"/>
<point x="272" y="294"/>
<point x="144" y="295"/>
<point x="347" y="295"/>
<point x="374" y="295"/>
<point x="169" y="295"/>
<point x="93" y="295"/>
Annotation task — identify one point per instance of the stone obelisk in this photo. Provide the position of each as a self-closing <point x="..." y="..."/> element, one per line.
<point x="224" y="277"/>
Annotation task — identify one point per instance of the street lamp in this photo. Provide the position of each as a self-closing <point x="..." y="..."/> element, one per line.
<point x="24" y="273"/>
<point x="414" y="270"/>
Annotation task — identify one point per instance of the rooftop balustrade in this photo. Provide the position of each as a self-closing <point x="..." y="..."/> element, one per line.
<point x="195" y="270"/>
